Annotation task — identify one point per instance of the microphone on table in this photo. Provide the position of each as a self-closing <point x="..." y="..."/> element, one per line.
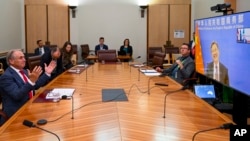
<point x="72" y="105"/>
<point x="44" y="121"/>
<point x="171" y="92"/>
<point x="138" y="57"/>
<point x="30" y="124"/>
<point x="223" y="126"/>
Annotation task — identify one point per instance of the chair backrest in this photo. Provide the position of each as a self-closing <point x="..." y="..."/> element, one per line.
<point x="158" y="59"/>
<point x="191" y="81"/>
<point x="1" y="68"/>
<point x="74" y="57"/>
<point x="2" y="114"/>
<point x="151" y="51"/>
<point x="34" y="61"/>
<point x="85" y="50"/>
<point x="107" y="55"/>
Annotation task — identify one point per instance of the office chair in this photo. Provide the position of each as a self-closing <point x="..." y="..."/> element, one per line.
<point x="107" y="55"/>
<point x="190" y="82"/>
<point x="1" y="68"/>
<point x="158" y="59"/>
<point x="151" y="51"/>
<point x="34" y="61"/>
<point x="85" y="51"/>
<point x="2" y="114"/>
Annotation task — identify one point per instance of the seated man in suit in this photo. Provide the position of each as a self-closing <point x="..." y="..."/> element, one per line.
<point x="55" y="55"/>
<point x="183" y="67"/>
<point x="101" y="45"/>
<point x="41" y="49"/>
<point x="17" y="85"/>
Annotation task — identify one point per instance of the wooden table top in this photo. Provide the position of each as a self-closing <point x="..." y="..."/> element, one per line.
<point x="138" y="119"/>
<point x="94" y="57"/>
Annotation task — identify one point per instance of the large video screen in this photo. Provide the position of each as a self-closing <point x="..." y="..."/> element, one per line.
<point x="222" y="49"/>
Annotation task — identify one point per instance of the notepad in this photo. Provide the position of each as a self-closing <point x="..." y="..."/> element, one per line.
<point x="61" y="91"/>
<point x="148" y="71"/>
<point x="139" y="65"/>
<point x="152" y="74"/>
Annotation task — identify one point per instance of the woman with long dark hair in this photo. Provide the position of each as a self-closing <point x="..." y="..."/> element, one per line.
<point x="67" y="53"/>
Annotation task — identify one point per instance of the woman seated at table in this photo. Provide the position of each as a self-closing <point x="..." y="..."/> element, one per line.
<point x="126" y="48"/>
<point x="67" y="53"/>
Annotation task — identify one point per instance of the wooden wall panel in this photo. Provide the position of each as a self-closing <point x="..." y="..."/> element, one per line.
<point x="233" y="4"/>
<point x="45" y="2"/>
<point x="169" y="2"/>
<point x="179" y="20"/>
<point x="157" y="25"/>
<point x="58" y="24"/>
<point x="35" y="25"/>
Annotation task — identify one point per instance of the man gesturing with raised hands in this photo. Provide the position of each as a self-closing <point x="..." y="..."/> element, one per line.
<point x="17" y="85"/>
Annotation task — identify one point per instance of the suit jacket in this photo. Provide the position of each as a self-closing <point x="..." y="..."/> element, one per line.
<point x="97" y="47"/>
<point x="46" y="49"/>
<point x="130" y="50"/>
<point x="47" y="58"/>
<point x="181" y="74"/>
<point x="15" y="92"/>
<point x="224" y="78"/>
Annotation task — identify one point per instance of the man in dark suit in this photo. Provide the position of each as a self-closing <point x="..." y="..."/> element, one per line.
<point x="41" y="49"/>
<point x="17" y="85"/>
<point x="55" y="55"/>
<point x="184" y="66"/>
<point x="101" y="45"/>
<point x="216" y="69"/>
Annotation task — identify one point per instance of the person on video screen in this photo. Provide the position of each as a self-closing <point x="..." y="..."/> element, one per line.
<point x="216" y="69"/>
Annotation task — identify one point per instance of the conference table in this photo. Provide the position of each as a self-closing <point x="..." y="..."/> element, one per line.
<point x="140" y="118"/>
<point x="120" y="57"/>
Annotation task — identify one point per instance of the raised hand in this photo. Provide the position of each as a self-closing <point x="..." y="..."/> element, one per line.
<point x="34" y="75"/>
<point x="48" y="69"/>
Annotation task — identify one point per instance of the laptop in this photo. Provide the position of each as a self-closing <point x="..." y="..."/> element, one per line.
<point x="205" y="92"/>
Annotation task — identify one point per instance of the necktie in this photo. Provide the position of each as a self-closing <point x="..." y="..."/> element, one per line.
<point x="26" y="81"/>
<point x="174" y="72"/>
<point x="216" y="73"/>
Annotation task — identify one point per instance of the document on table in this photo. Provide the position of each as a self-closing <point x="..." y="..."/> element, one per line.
<point x="61" y="91"/>
<point x="152" y="74"/>
<point x="148" y="71"/>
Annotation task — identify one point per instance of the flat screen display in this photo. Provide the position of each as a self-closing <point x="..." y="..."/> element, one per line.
<point x="222" y="49"/>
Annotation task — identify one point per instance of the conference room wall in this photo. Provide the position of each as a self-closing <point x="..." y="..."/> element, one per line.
<point x="114" y="20"/>
<point x="11" y="25"/>
<point x="242" y="5"/>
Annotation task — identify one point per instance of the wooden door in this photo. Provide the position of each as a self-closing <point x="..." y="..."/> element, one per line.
<point x="179" y="23"/>
<point x="58" y="23"/>
<point x="36" y="25"/>
<point x="158" y="25"/>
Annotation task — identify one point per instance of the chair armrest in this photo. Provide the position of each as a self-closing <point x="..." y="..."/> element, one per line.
<point x="3" y="115"/>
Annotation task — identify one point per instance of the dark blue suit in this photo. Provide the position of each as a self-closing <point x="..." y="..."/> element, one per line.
<point x="46" y="49"/>
<point x="15" y="92"/>
<point x="97" y="47"/>
<point x="47" y="58"/>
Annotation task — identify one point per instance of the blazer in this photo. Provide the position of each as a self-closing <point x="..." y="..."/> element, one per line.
<point x="15" y="92"/>
<point x="97" y="47"/>
<point x="130" y="50"/>
<point x="46" y="49"/>
<point x="224" y="78"/>
<point x="181" y="74"/>
<point x="47" y="58"/>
